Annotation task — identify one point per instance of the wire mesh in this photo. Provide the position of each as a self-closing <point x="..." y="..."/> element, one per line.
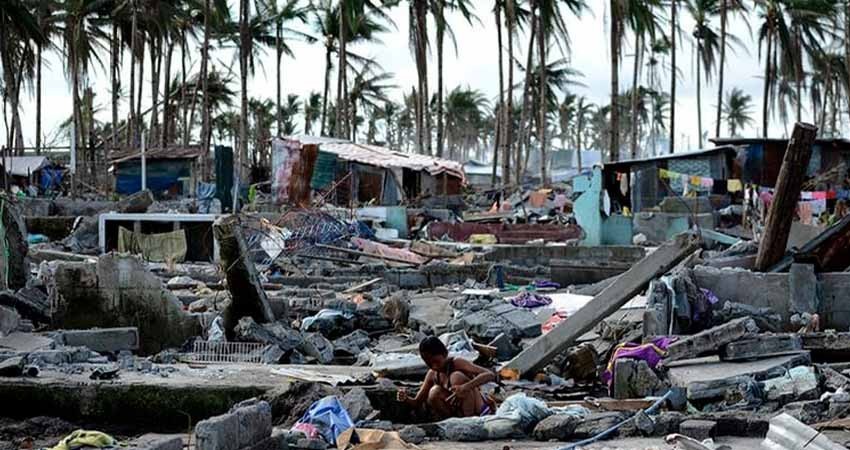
<point x="226" y="352"/>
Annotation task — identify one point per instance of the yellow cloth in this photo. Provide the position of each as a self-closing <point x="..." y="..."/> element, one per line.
<point x="483" y="239"/>
<point x="695" y="180"/>
<point x="83" y="438"/>
<point x="664" y="173"/>
<point x="734" y="186"/>
<point x="162" y="247"/>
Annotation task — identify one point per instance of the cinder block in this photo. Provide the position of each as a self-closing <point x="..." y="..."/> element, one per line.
<point x="111" y="340"/>
<point x="255" y="423"/>
<point x="218" y="433"/>
<point x="698" y="429"/>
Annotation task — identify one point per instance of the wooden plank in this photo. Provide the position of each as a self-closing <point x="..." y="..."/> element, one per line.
<point x="361" y="286"/>
<point x="787" y="194"/>
<point x="627" y="285"/>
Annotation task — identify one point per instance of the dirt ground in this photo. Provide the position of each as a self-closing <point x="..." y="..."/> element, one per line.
<point x="615" y="444"/>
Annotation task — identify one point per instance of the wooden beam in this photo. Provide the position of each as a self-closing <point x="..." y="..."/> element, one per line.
<point x="786" y="195"/>
<point x="612" y="298"/>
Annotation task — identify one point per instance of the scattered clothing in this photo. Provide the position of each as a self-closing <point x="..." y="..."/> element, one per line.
<point x="82" y="438"/>
<point x="652" y="353"/>
<point x="531" y="300"/>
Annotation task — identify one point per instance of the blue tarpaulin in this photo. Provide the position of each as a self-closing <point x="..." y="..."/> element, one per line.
<point x="162" y="175"/>
<point x="329" y="417"/>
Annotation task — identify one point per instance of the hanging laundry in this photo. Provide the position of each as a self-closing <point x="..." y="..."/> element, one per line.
<point x="624" y="183"/>
<point x="819" y="195"/>
<point x="831" y="195"/>
<point x="843" y="194"/>
<point x="665" y="174"/>
<point x="804" y="211"/>
<point x="734" y="185"/>
<point x="806" y="195"/>
<point x="695" y="180"/>
<point x="818" y="206"/>
<point x="706" y="182"/>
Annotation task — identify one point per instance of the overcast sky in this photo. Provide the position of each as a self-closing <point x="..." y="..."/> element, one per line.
<point x="475" y="65"/>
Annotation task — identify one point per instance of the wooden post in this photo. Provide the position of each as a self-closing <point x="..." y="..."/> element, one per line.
<point x="786" y="195"/>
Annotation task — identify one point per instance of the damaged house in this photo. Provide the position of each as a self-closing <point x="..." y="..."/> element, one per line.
<point x="348" y="172"/>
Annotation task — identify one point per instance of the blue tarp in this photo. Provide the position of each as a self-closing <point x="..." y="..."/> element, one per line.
<point x="162" y="175"/>
<point x="51" y="179"/>
<point x="329" y="417"/>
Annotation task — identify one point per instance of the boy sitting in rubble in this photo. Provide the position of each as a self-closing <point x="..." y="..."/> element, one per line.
<point x="451" y="386"/>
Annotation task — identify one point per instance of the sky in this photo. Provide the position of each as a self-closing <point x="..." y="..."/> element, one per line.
<point x="474" y="65"/>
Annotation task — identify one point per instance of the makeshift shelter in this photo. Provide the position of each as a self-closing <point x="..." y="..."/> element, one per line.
<point x="357" y="172"/>
<point x="170" y="171"/>
<point x="480" y="174"/>
<point x="36" y="170"/>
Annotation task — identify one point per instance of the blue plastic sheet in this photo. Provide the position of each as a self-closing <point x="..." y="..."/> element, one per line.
<point x="329" y="417"/>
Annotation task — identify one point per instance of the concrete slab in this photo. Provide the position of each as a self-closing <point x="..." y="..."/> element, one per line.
<point x="25" y="342"/>
<point x="684" y="372"/>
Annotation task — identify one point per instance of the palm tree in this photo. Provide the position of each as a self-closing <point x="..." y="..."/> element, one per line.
<point x="20" y="35"/>
<point x="83" y="38"/>
<point x="674" y="29"/>
<point x="273" y="13"/>
<point x="49" y="28"/>
<point x="244" y="52"/>
<point x="466" y="110"/>
<point x="312" y="111"/>
<point x="644" y="24"/>
<point x="325" y="24"/>
<point x="368" y="89"/>
<point x="438" y="10"/>
<point x="726" y="6"/>
<point x="737" y="110"/>
<point x="789" y="32"/>
<point x="707" y="45"/>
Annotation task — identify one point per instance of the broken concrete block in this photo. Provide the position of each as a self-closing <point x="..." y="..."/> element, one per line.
<point x="800" y="383"/>
<point x="832" y="379"/>
<point x="9" y="320"/>
<point x="318" y="347"/>
<point x="152" y="441"/>
<point x="218" y="433"/>
<point x="255" y="422"/>
<point x="761" y="346"/>
<point x="711" y="339"/>
<point x="276" y="333"/>
<point x="807" y="411"/>
<point x="525" y="321"/>
<point x="118" y="291"/>
<point x="559" y="427"/>
<point x="412" y="434"/>
<point x="109" y="340"/>
<point x="596" y="423"/>
<point x="505" y="348"/>
<point x="357" y="404"/>
<point x="634" y="378"/>
<point x="766" y="318"/>
<point x="272" y="354"/>
<point x="698" y="429"/>
<point x="803" y="292"/>
<point x="311" y="444"/>
<point x="30" y="303"/>
<point x="353" y="343"/>
<point x="12" y="367"/>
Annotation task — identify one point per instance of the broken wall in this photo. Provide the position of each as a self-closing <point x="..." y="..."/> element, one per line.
<point x="118" y="291"/>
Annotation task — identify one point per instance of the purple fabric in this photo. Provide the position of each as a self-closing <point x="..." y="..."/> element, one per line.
<point x="710" y="296"/>
<point x="646" y="352"/>
<point x="541" y="284"/>
<point x="530" y="300"/>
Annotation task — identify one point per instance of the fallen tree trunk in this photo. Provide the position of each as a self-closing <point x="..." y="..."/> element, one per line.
<point x="786" y="195"/>
<point x="612" y="298"/>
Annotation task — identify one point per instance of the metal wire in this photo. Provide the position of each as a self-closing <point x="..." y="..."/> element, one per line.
<point x="226" y="352"/>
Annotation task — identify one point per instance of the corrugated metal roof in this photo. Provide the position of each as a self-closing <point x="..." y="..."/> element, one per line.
<point x="173" y="152"/>
<point x="22" y="166"/>
<point x="374" y="155"/>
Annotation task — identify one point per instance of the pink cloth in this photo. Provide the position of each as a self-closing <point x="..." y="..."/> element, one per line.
<point x="819" y="195"/>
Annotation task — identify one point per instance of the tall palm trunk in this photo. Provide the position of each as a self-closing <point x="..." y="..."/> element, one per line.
<point x="327" y="87"/>
<point x="525" y="118"/>
<point x="500" y="112"/>
<point x="279" y="54"/>
<point x="131" y="120"/>
<point x="184" y="110"/>
<point x="798" y="71"/>
<point x="205" y="98"/>
<point x="156" y="67"/>
<point x="167" y="110"/>
<point x="38" y="100"/>
<point x="244" y="51"/>
<point x="674" y="28"/>
<point x="699" y="93"/>
<point x="508" y="147"/>
<point x="423" y="130"/>
<point x="579" y="128"/>
<point x="342" y="69"/>
<point x="114" y="74"/>
<point x="721" y="66"/>
<point x="614" y="139"/>
<point x="141" y="82"/>
<point x="767" y="80"/>
<point x="441" y="32"/>
<point x="542" y="92"/>
<point x="634" y="99"/>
